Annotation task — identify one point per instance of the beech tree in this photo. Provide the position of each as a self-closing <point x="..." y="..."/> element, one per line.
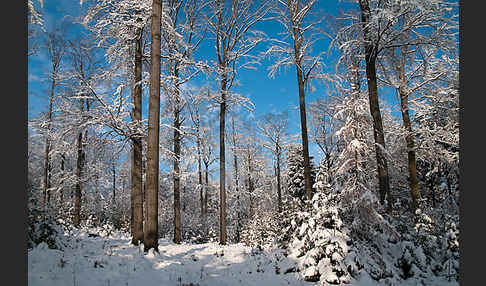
<point x="182" y="33"/>
<point x="150" y="236"/>
<point x="296" y="49"/>
<point x="323" y="126"/>
<point x="209" y="156"/>
<point x="421" y="33"/>
<point x="231" y="23"/>
<point x="273" y="126"/>
<point x="378" y="30"/>
<point x="371" y="47"/>
<point x="137" y="148"/>
<point x="118" y="26"/>
<point x="83" y="68"/>
<point x="235" y="138"/>
<point x="56" y="47"/>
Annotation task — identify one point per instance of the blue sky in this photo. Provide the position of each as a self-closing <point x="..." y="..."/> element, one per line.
<point x="268" y="95"/>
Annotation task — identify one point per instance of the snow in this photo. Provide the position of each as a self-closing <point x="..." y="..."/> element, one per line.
<point x="112" y="260"/>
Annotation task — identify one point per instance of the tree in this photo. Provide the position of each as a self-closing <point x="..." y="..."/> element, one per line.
<point x="273" y="126"/>
<point x="353" y="167"/>
<point x="84" y="66"/>
<point x="136" y="165"/>
<point x="123" y="39"/>
<point x="194" y="106"/>
<point x="181" y="40"/>
<point x="301" y="34"/>
<point x="231" y="22"/>
<point x="235" y="151"/>
<point x="421" y="33"/>
<point x="56" y="47"/>
<point x="323" y="126"/>
<point x="371" y="52"/>
<point x="296" y="173"/>
<point x="208" y="157"/>
<point x="35" y="22"/>
<point x="150" y="238"/>
<point x="380" y="31"/>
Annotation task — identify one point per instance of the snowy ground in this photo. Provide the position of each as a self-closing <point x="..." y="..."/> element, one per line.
<point x="113" y="261"/>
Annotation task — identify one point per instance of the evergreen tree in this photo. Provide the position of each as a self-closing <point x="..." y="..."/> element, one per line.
<point x="321" y="241"/>
<point x="295" y="173"/>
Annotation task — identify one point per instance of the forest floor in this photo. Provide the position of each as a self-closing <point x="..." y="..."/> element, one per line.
<point x="112" y="261"/>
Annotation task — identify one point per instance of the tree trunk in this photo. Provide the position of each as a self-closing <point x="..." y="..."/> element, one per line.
<point x="177" y="193"/>
<point x="303" y="117"/>
<point x="205" y="205"/>
<point x="370" y="57"/>
<point x="222" y="166"/>
<point x="251" y="187"/>
<point x="235" y="163"/>
<point x="61" y="186"/>
<point x="206" y="195"/>
<point x="79" y="173"/>
<point x="47" y="183"/>
<point x="136" y="192"/>
<point x="152" y="188"/>
<point x="114" y="185"/>
<point x="412" y="163"/>
<point x="279" y="191"/>
<point x="49" y="191"/>
<point x="199" y="167"/>
<point x="356" y="90"/>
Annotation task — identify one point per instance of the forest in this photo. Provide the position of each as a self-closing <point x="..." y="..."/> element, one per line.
<point x="243" y="142"/>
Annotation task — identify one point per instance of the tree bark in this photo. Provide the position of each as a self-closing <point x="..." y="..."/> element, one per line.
<point x="303" y="117"/>
<point x="222" y="166"/>
<point x="47" y="183"/>
<point x="114" y="185"/>
<point x="235" y="163"/>
<point x="251" y="187"/>
<point x="370" y="57"/>
<point x="177" y="152"/>
<point x="412" y="162"/>
<point x="136" y="192"/>
<point x="199" y="167"/>
<point x="152" y="187"/>
<point x="279" y="191"/>
<point x="206" y="187"/>
<point x="61" y="186"/>
<point x="79" y="173"/>
<point x="205" y="206"/>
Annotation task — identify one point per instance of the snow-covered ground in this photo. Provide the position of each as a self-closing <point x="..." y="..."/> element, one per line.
<point x="113" y="261"/>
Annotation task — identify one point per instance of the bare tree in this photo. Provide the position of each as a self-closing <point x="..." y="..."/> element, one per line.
<point x="124" y="41"/>
<point x="371" y="52"/>
<point x="235" y="151"/>
<point x="194" y="112"/>
<point x="136" y="166"/>
<point x="295" y="49"/>
<point x="323" y="126"/>
<point x="208" y="157"/>
<point x="181" y="37"/>
<point x="56" y="47"/>
<point x="273" y="126"/>
<point x="150" y="238"/>
<point x="376" y="31"/>
<point x="231" y="24"/>
<point x="421" y="32"/>
<point x="83" y="69"/>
